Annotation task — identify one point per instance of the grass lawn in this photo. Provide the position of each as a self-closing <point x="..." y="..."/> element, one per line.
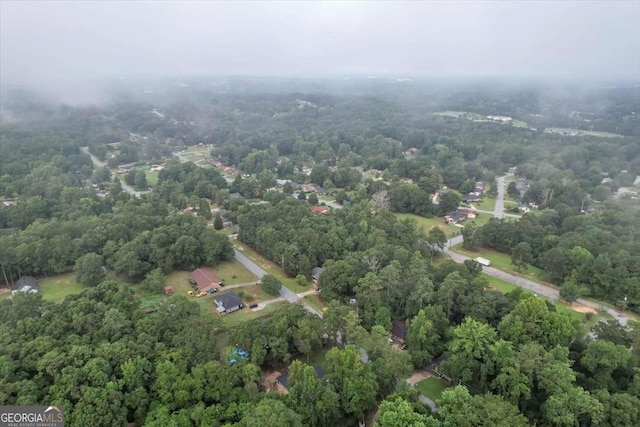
<point x="228" y="269"/>
<point x="5" y="295"/>
<point x="503" y="262"/>
<point x="315" y="301"/>
<point x="519" y="124"/>
<point x="432" y="387"/>
<point x="487" y="204"/>
<point x="152" y="177"/>
<point x="245" y="314"/>
<point x="426" y="224"/>
<point x="481" y="219"/>
<point x="270" y="267"/>
<point x="55" y="288"/>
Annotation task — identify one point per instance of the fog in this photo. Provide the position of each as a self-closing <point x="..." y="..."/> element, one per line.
<point x="68" y="42"/>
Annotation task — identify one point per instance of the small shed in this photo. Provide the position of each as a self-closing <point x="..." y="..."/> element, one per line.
<point x="168" y="289"/>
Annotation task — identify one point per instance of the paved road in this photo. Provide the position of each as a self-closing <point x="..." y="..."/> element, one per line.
<point x="539" y="289"/>
<point x="285" y="292"/>
<point x="126" y="187"/>
<point x="498" y="211"/>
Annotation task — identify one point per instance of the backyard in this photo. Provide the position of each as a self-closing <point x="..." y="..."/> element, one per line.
<point x="56" y="288"/>
<point x="432" y="387"/>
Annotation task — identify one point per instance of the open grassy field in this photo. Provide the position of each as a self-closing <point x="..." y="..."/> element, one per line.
<point x="428" y="223"/>
<point x="432" y="387"/>
<point x="503" y="262"/>
<point x="270" y="267"/>
<point x="519" y="124"/>
<point x="55" y="288"/>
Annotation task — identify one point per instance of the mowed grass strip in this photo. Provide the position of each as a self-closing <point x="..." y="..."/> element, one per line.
<point x="315" y="301"/>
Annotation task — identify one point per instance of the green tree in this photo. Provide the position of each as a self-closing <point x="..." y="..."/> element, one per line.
<point x="459" y="409"/>
<point x="315" y="401"/>
<point x="570" y="291"/>
<point x="353" y="380"/>
<point x="400" y="413"/>
<point x="270" y="413"/>
<point x="422" y="339"/>
<point x="521" y="256"/>
<point x="204" y="210"/>
<point x="470" y="351"/>
<point x="217" y="222"/>
<point x="512" y="190"/>
<point x="271" y="284"/>
<point x="313" y="199"/>
<point x="90" y="270"/>
<point x="155" y="280"/>
<point x="572" y="407"/>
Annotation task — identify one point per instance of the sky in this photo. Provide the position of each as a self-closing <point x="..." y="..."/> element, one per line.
<point x="45" y="40"/>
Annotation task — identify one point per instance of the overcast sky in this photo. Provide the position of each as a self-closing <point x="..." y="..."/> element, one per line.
<point x="592" y="39"/>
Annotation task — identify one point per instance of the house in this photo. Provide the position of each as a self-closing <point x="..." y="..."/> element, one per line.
<point x="308" y="188"/>
<point x="399" y="331"/>
<point x="455" y="218"/>
<point x="205" y="279"/>
<point x="228" y="303"/>
<point x="319" y="210"/>
<point x="315" y="273"/>
<point x="482" y="261"/>
<point x="468" y="198"/>
<point x="25" y="285"/>
<point x="168" y="289"/>
<point x="320" y="190"/>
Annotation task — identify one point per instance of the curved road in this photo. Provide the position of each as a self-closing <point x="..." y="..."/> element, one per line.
<point x="522" y="282"/>
<point x="126" y="187"/>
<point x="285" y="292"/>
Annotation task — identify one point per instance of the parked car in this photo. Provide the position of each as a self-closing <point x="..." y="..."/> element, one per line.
<point x="254" y="305"/>
<point x="213" y="290"/>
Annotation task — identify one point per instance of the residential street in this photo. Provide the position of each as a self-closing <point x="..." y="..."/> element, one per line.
<point x="126" y="187"/>
<point x="285" y="292"/>
<point x="519" y="281"/>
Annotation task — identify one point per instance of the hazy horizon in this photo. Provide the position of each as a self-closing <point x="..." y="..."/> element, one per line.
<point x="81" y="41"/>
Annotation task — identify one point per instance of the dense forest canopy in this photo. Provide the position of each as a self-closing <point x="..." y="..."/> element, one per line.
<point x="374" y="151"/>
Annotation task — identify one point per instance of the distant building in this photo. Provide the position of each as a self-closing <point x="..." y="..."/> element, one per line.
<point x="399" y="331"/>
<point x="25" y="285"/>
<point x="168" y="289"/>
<point x="319" y="210"/>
